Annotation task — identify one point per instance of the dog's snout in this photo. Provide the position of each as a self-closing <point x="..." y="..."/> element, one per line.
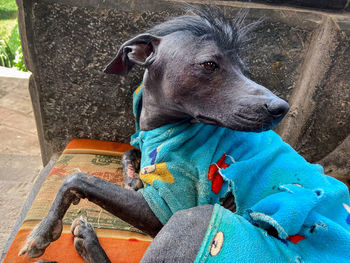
<point x="277" y="108"/>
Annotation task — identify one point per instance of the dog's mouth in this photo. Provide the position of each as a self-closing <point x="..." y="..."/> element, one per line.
<point x="240" y="123"/>
<point x="207" y="120"/>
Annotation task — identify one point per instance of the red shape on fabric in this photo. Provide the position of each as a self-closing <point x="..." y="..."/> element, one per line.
<point x="221" y="160"/>
<point x="212" y="170"/>
<point x="214" y="175"/>
<point x="295" y="238"/>
<point x="217" y="183"/>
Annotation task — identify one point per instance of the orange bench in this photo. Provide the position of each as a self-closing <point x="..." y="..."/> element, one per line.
<point x="122" y="242"/>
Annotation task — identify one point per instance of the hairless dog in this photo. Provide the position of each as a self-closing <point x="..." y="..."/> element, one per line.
<point x="193" y="74"/>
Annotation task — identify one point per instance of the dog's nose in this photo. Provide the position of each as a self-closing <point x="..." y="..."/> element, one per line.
<point x="277" y="108"/>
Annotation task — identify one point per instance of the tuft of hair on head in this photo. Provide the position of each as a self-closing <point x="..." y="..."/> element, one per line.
<point x="230" y="33"/>
<point x="209" y="22"/>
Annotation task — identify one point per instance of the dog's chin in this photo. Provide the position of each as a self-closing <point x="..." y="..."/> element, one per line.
<point x="253" y="128"/>
<point x="249" y="126"/>
<point x="206" y="120"/>
<point x="245" y="125"/>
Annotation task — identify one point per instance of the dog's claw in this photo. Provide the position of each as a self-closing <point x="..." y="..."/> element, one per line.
<point x="41" y="237"/>
<point x="22" y="251"/>
<point x="75" y="224"/>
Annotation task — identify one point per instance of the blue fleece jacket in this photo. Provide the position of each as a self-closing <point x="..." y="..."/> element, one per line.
<point x="184" y="165"/>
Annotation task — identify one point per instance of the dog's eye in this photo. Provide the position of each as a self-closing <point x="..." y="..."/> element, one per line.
<point x="210" y="66"/>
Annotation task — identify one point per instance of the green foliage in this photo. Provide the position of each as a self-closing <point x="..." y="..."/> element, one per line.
<point x="10" y="42"/>
<point x="6" y="27"/>
<point x="8" y="5"/>
<point x="8" y="11"/>
<point x="11" y="54"/>
<point x="14" y="40"/>
<point x="19" y="60"/>
<point x="6" y="56"/>
<point x="16" y="49"/>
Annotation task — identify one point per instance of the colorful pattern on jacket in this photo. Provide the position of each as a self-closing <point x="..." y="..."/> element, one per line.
<point x="185" y="165"/>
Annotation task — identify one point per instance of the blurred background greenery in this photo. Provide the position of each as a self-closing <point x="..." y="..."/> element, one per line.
<point x="10" y="42"/>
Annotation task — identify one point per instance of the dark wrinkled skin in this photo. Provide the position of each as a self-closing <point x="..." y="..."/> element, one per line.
<point x="176" y="86"/>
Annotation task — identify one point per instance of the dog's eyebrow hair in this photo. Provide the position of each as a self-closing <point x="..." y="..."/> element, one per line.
<point x="210" y="23"/>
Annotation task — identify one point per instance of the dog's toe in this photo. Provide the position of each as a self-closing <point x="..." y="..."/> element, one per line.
<point x="79" y="246"/>
<point x="82" y="228"/>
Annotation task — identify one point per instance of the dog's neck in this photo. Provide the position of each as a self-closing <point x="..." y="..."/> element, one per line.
<point x="156" y="111"/>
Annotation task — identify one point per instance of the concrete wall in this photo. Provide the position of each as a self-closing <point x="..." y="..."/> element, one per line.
<point x="303" y="55"/>
<point x="318" y="4"/>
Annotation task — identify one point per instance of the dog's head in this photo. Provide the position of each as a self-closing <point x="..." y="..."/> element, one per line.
<point x="193" y="69"/>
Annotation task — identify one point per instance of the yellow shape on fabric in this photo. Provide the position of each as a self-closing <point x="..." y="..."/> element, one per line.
<point x="138" y="89"/>
<point x="154" y="172"/>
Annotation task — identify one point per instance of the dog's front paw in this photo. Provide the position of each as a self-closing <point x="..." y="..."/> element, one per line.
<point x="84" y="235"/>
<point x="86" y="242"/>
<point x="131" y="167"/>
<point x="40" y="238"/>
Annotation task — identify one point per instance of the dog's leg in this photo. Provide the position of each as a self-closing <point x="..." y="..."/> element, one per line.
<point x="129" y="206"/>
<point x="181" y="238"/>
<point x="131" y="167"/>
<point x="86" y="242"/>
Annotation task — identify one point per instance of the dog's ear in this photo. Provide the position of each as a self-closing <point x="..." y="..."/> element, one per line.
<point x="139" y="50"/>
